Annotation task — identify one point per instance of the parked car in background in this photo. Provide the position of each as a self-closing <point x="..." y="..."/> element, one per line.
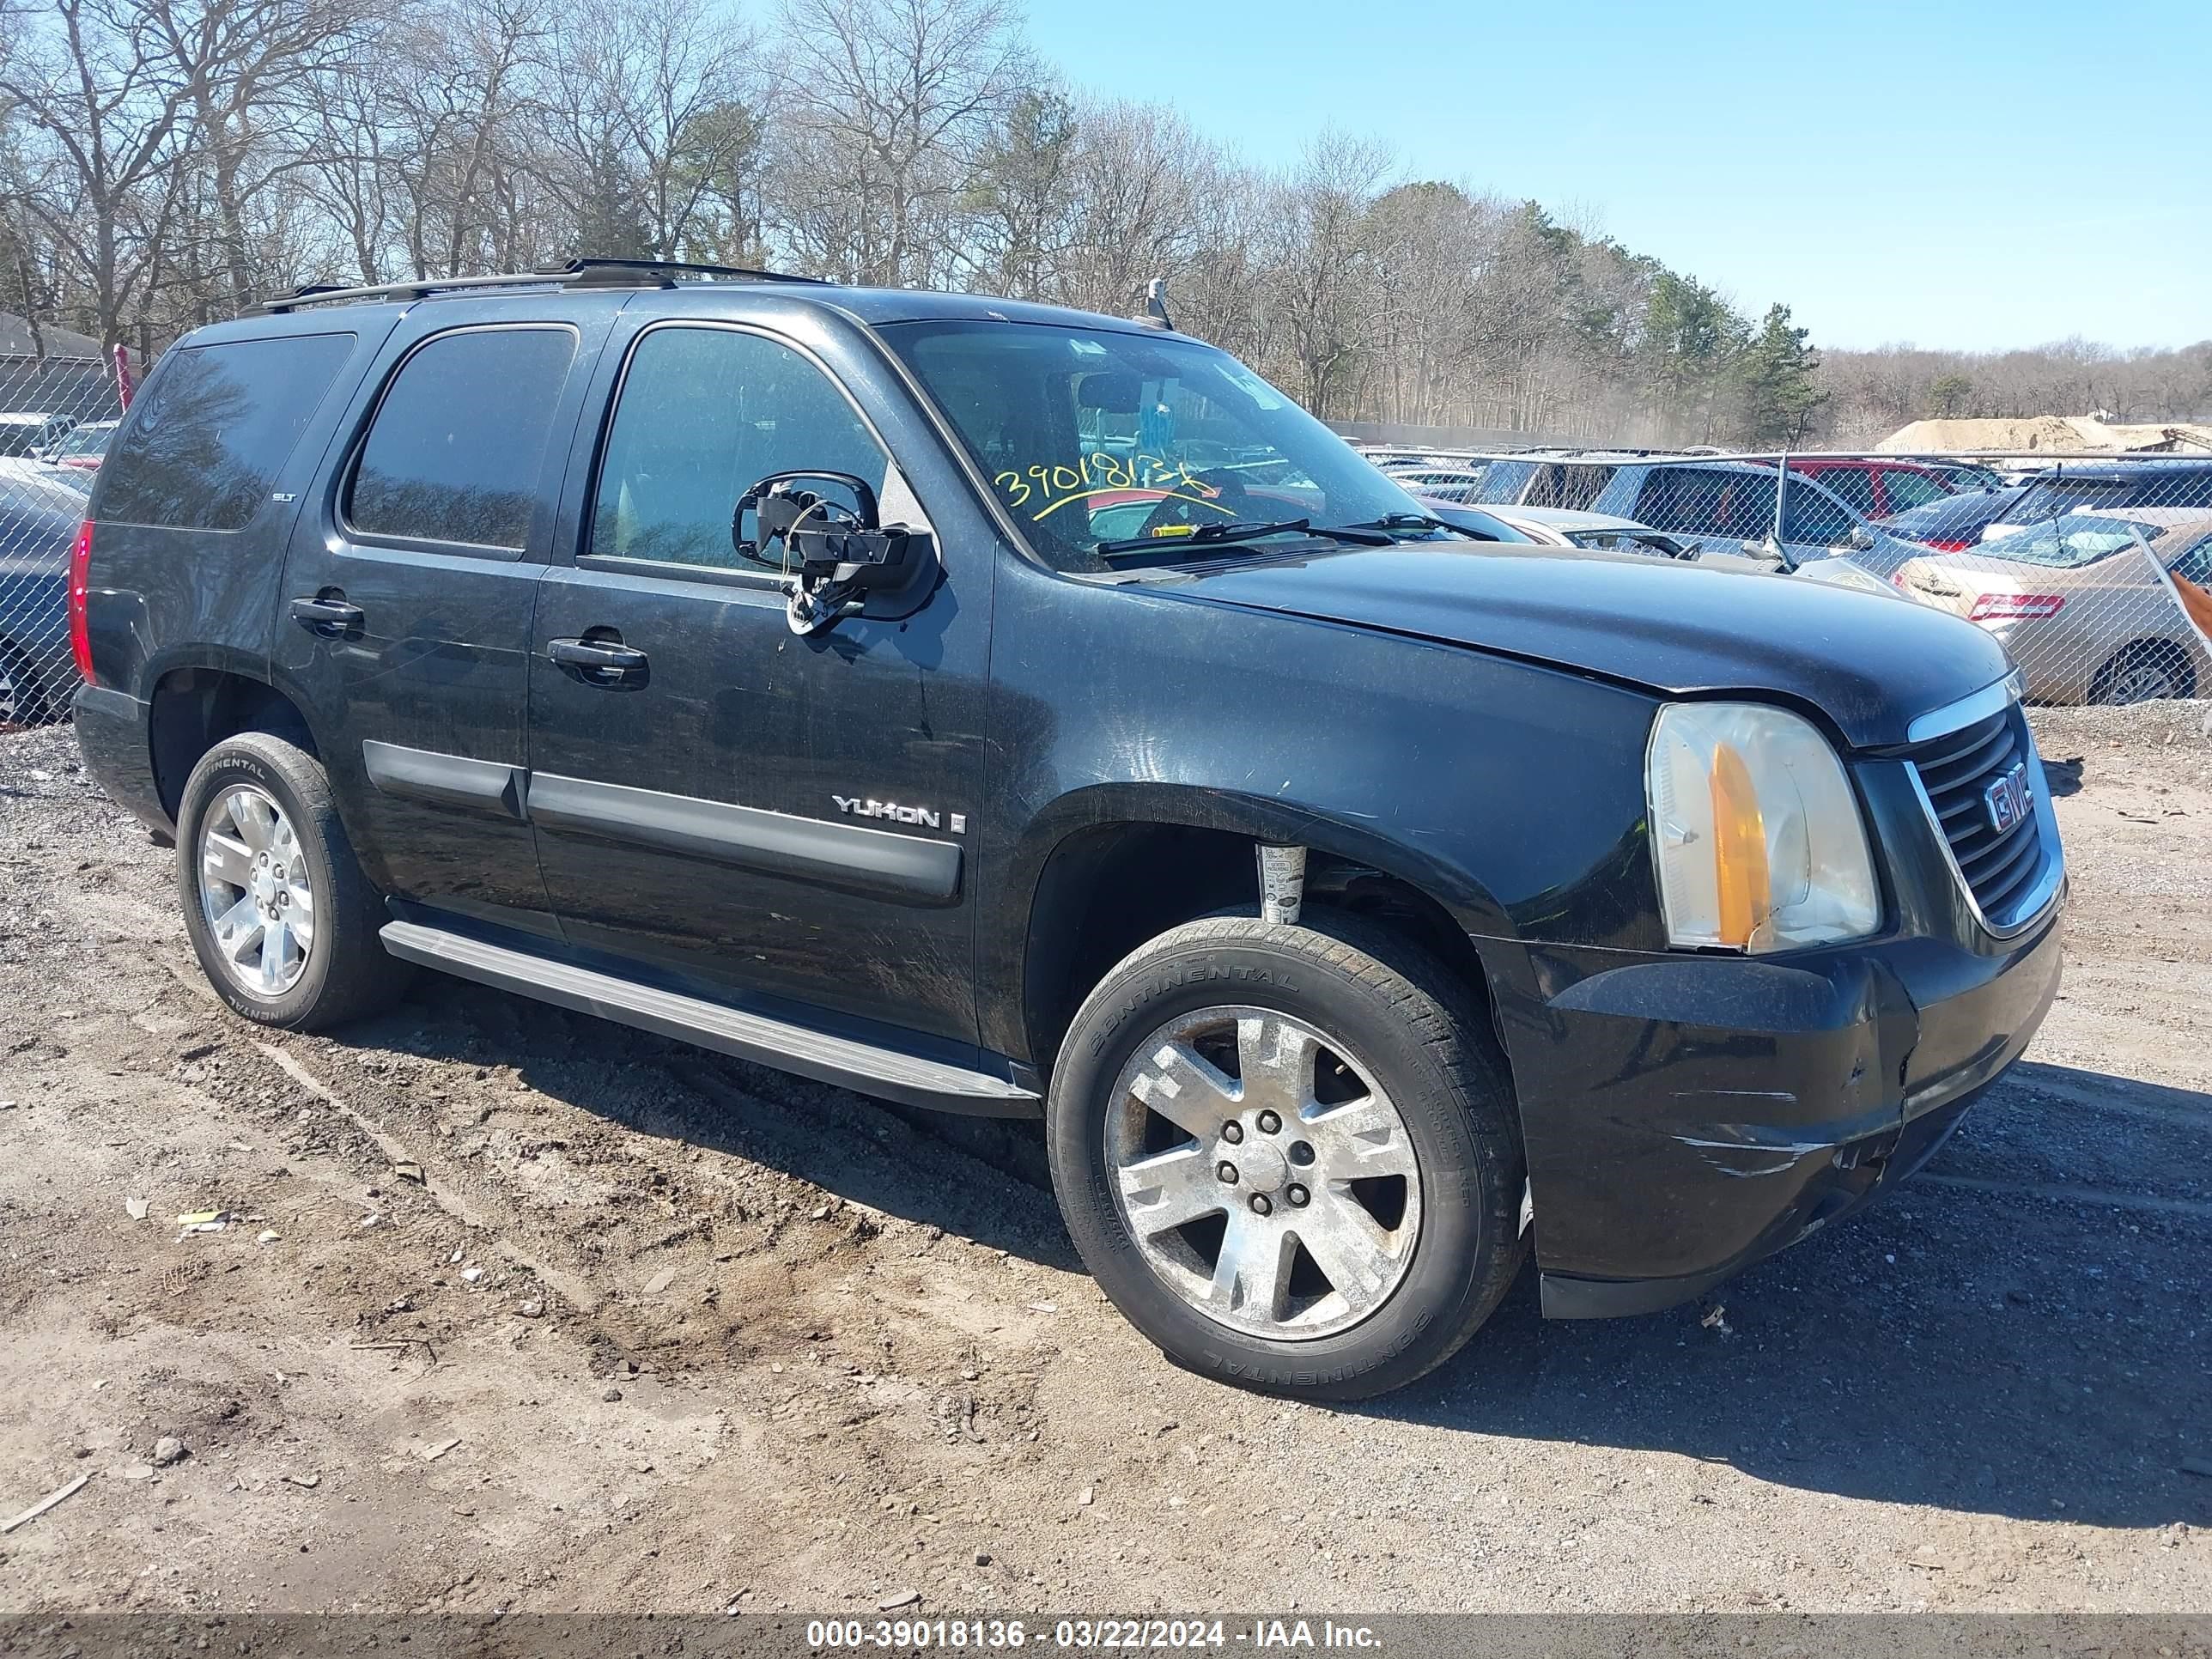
<point x="1728" y="507"/>
<point x="1874" y="488"/>
<point x="1479" y="522"/>
<point x="1967" y="475"/>
<point x="1603" y="533"/>
<point x="86" y="443"/>
<point x="1569" y="478"/>
<point x="26" y="434"/>
<point x="39" y="514"/>
<point x="1956" y="523"/>
<point x="2106" y="608"/>
<point x="1443" y="484"/>
<point x="1562" y="526"/>
<point x="2105" y="487"/>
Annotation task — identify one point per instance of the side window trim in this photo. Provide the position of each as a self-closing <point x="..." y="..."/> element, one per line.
<point x="343" y="476"/>
<point x="586" y="558"/>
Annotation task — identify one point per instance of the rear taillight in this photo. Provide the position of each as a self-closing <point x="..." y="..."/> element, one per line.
<point x="80" y="589"/>
<point x="1950" y="546"/>
<point x="2016" y="607"/>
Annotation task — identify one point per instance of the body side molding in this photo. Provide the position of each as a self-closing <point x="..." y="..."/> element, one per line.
<point x="448" y="779"/>
<point x="914" y="1081"/>
<point x="909" y="869"/>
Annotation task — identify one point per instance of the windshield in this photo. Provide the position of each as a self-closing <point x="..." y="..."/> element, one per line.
<point x="1956" y="517"/>
<point x="91" y="439"/>
<point x="2074" y="539"/>
<point x="2047" y="498"/>
<point x="1091" y="435"/>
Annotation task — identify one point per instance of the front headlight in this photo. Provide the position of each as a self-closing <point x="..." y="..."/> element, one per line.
<point x="1759" y="841"/>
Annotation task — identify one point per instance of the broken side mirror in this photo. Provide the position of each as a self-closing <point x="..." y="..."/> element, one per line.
<point x="837" y="560"/>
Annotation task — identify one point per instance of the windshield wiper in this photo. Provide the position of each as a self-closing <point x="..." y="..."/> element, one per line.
<point x="1244" y="530"/>
<point x="1389" y="521"/>
<point x="1228" y="530"/>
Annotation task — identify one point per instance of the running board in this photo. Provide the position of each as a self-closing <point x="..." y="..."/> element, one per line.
<point x="846" y="1061"/>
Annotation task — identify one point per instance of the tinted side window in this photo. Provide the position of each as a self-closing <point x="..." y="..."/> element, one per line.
<point x="705" y="414"/>
<point x="454" y="453"/>
<point x="1568" y="486"/>
<point x="1854" y="483"/>
<point x="213" y="428"/>
<point x="1810" y="517"/>
<point x="1907" y="490"/>
<point x="1503" y="482"/>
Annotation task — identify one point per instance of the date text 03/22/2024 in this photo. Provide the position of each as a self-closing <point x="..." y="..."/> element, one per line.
<point x="1083" y="1635"/>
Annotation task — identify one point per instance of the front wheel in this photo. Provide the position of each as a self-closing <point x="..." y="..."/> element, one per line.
<point x="1288" y="1154"/>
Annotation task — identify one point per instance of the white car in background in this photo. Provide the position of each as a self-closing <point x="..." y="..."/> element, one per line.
<point x="1603" y="533"/>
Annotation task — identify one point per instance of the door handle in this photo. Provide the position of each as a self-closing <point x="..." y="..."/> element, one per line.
<point x="599" y="662"/>
<point x="328" y="614"/>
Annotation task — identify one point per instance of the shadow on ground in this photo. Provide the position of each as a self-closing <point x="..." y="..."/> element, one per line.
<point x="1980" y="1349"/>
<point x="983" y="1179"/>
<point x="1975" y="1348"/>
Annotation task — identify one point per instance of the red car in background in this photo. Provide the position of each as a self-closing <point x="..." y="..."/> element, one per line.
<point x="1876" y="488"/>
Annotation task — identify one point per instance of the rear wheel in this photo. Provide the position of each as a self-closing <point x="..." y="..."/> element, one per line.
<point x="2149" y="671"/>
<point x="1289" y="1154"/>
<point x="284" y="921"/>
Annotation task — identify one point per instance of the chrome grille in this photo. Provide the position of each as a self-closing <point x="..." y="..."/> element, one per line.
<point x="1958" y="771"/>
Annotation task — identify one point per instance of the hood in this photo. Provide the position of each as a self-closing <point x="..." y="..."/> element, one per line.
<point x="1869" y="662"/>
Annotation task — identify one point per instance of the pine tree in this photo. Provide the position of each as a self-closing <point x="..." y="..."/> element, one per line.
<point x="1780" y="374"/>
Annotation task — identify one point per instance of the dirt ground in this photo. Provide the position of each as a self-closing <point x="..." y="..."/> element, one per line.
<point x="521" y="1310"/>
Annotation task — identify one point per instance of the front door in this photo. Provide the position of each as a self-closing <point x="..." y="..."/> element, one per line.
<point x="404" y="624"/>
<point x="713" y="794"/>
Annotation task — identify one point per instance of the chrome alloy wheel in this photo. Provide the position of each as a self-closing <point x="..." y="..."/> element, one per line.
<point x="12" y="703"/>
<point x="2146" y="678"/>
<point x="1263" y="1172"/>
<point x="254" y="891"/>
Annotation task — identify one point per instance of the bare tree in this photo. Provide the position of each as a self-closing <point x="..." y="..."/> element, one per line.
<point x="109" y="122"/>
<point x="891" y="103"/>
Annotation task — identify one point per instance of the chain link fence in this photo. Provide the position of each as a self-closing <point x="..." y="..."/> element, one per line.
<point x="57" y="414"/>
<point x="2093" y="570"/>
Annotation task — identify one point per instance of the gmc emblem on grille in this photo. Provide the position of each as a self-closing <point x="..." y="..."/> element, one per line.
<point x="2006" y="798"/>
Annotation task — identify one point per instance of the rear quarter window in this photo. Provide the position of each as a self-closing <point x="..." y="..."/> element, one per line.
<point x="213" y="428"/>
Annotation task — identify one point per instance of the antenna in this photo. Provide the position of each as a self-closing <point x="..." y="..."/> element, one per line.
<point x="1155" y="315"/>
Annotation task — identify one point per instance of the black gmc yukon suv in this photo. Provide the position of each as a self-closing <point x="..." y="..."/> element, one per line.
<point x="1025" y="712"/>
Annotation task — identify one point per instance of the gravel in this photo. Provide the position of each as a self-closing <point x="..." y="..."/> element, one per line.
<point x="1983" y="1394"/>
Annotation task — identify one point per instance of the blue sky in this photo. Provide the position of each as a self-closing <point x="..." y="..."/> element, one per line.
<point x="1962" y="174"/>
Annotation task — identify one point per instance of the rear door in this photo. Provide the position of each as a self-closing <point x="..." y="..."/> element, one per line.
<point x="723" y="799"/>
<point x="404" y="624"/>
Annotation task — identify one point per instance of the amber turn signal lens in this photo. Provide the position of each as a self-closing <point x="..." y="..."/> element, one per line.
<point x="1739" y="849"/>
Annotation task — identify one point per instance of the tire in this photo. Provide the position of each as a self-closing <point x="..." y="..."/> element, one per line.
<point x="2148" y="670"/>
<point x="333" y="969"/>
<point x="1390" y="1024"/>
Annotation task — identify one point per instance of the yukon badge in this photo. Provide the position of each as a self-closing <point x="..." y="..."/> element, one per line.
<point x="927" y="816"/>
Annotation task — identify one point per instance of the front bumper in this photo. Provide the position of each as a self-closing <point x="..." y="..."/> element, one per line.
<point x="1685" y="1117"/>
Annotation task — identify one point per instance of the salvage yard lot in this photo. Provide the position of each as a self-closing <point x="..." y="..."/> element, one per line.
<point x="656" y="1329"/>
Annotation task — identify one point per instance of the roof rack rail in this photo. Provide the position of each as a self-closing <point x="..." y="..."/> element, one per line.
<point x="577" y="273"/>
